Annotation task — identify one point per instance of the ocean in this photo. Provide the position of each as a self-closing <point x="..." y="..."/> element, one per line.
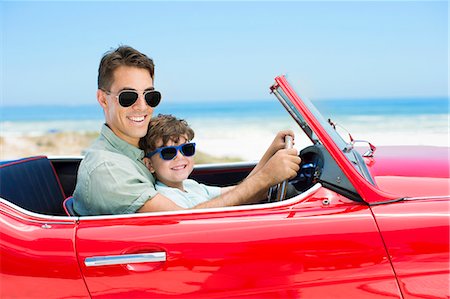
<point x="245" y="128"/>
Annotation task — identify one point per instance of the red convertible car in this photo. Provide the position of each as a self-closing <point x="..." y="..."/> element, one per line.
<point x="351" y="225"/>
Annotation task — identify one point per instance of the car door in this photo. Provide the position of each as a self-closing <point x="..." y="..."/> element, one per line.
<point x="37" y="256"/>
<point x="416" y="233"/>
<point x="314" y="245"/>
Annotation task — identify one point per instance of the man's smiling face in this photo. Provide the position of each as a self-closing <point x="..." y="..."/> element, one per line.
<point x="128" y="123"/>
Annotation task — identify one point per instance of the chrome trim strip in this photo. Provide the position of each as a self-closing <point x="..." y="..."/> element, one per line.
<point x="40" y="217"/>
<point x="125" y="259"/>
<point x="255" y="207"/>
<point x="75" y="219"/>
<point x="428" y="197"/>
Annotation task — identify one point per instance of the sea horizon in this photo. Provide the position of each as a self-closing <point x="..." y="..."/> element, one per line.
<point x="369" y="106"/>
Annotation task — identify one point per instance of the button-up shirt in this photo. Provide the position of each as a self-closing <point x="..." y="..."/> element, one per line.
<point x="193" y="194"/>
<point x="112" y="178"/>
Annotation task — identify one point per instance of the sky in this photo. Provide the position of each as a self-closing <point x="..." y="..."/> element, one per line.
<point x="227" y="51"/>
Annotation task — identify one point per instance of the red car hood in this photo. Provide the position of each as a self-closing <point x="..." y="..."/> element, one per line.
<point x="411" y="170"/>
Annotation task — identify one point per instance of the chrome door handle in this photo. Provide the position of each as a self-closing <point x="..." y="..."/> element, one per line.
<point x="152" y="257"/>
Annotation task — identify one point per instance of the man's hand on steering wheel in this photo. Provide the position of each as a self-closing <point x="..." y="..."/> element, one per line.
<point x="283" y="165"/>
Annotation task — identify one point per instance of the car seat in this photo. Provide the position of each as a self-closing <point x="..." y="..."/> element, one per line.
<point x="32" y="184"/>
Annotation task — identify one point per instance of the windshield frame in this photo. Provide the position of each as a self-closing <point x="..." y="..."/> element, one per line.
<point x="320" y="131"/>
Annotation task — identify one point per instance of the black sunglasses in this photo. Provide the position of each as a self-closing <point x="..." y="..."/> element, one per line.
<point x="129" y="97"/>
<point x="170" y="152"/>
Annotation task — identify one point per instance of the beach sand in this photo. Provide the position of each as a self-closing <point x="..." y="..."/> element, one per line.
<point x="53" y="144"/>
<point x="72" y="144"/>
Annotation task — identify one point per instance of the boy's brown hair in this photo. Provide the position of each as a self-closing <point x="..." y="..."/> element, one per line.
<point x="165" y="127"/>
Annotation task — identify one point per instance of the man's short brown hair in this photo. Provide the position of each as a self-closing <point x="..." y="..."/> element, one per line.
<point x="122" y="56"/>
<point x="165" y="127"/>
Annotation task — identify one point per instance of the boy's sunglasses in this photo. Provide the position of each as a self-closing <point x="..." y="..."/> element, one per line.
<point x="170" y="152"/>
<point x="129" y="97"/>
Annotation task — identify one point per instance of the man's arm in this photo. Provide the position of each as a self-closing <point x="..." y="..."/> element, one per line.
<point x="281" y="166"/>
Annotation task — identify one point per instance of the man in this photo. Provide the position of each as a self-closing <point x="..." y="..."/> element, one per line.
<point x="113" y="179"/>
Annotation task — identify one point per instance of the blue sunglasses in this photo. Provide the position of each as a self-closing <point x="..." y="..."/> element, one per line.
<point x="170" y="152"/>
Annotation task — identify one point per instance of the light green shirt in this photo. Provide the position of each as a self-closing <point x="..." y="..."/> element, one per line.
<point x="112" y="178"/>
<point x="194" y="193"/>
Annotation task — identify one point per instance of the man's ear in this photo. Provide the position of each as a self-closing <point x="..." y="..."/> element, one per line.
<point x="149" y="165"/>
<point x="101" y="98"/>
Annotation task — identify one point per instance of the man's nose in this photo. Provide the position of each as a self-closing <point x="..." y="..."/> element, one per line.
<point x="140" y="102"/>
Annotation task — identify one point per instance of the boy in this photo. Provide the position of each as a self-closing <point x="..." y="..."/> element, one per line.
<point x="169" y="155"/>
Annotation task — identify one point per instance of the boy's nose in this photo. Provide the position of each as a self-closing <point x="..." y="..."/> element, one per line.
<point x="179" y="155"/>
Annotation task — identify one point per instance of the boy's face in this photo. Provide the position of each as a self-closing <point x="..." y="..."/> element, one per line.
<point x="173" y="172"/>
<point x="128" y="123"/>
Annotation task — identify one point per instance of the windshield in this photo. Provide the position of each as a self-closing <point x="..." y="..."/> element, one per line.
<point x="346" y="148"/>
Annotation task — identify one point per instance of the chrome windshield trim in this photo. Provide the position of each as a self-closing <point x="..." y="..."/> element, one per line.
<point x="290" y="108"/>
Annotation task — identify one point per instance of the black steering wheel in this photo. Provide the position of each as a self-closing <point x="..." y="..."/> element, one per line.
<point x="310" y="168"/>
<point x="310" y="171"/>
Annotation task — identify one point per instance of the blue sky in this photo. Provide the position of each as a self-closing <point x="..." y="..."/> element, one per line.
<point x="225" y="51"/>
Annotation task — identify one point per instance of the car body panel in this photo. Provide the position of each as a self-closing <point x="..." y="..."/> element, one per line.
<point x="411" y="171"/>
<point x="416" y="233"/>
<point x="410" y="161"/>
<point x="38" y="257"/>
<point x="423" y="187"/>
<point x="306" y="249"/>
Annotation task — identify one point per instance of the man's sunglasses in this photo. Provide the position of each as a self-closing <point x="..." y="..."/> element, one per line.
<point x="129" y="97"/>
<point x="170" y="152"/>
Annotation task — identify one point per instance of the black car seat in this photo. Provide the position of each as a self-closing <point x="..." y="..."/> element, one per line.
<point x="32" y="184"/>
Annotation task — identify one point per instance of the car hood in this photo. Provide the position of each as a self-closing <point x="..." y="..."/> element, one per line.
<point x="411" y="170"/>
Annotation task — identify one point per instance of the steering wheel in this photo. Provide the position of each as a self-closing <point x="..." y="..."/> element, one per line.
<point x="310" y="168"/>
<point x="310" y="171"/>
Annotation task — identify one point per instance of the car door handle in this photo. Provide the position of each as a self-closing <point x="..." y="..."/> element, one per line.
<point x="152" y="257"/>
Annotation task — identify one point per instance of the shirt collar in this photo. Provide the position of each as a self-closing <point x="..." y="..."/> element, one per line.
<point x="124" y="147"/>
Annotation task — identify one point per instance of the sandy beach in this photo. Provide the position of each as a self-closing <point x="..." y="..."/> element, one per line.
<point x="71" y="144"/>
<point x="56" y="144"/>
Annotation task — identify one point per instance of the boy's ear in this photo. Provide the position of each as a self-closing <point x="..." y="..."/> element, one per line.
<point x="149" y="165"/>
